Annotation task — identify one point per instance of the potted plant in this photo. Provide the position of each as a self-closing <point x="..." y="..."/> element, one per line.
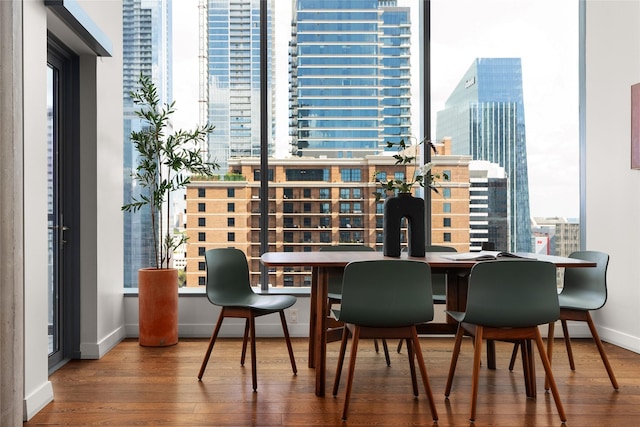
<point x="166" y="161"/>
<point x="401" y="203"/>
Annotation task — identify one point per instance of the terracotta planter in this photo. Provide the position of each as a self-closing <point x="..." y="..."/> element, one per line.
<point x="158" y="307"/>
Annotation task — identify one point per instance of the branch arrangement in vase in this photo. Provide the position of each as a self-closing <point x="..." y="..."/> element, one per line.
<point x="422" y="176"/>
<point x="165" y="163"/>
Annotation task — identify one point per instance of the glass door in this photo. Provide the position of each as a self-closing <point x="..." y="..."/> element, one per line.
<point x="62" y="206"/>
<point x="54" y="216"/>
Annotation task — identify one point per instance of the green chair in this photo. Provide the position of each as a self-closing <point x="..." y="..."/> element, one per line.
<point x="385" y="299"/>
<point x="335" y="328"/>
<point x="506" y="301"/>
<point x="584" y="289"/>
<point x="335" y="277"/>
<point x="438" y="280"/>
<point x="228" y="286"/>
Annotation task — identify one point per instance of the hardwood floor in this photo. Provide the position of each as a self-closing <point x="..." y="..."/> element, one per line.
<point x="134" y="385"/>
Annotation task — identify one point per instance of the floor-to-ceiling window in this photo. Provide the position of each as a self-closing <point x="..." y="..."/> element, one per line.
<point x="504" y="80"/>
<point x="491" y="83"/>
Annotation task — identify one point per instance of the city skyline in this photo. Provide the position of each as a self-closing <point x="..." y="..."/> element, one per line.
<point x="486" y="119"/>
<point x="497" y="28"/>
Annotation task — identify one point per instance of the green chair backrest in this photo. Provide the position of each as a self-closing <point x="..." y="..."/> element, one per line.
<point x="512" y="293"/>
<point x="439" y="248"/>
<point x="386" y="293"/>
<point x="589" y="284"/>
<point x="227" y="276"/>
<point x="438" y="280"/>
<point x="335" y="275"/>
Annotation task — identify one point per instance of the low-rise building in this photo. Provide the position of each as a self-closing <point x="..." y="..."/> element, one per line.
<point x="313" y="202"/>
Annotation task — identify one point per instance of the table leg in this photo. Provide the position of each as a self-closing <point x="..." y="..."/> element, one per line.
<point x="457" y="285"/>
<point x="312" y="317"/>
<point x="491" y="354"/>
<point x="320" y="332"/>
<point x="532" y="368"/>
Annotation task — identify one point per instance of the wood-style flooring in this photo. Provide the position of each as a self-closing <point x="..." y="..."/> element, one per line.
<point x="139" y="386"/>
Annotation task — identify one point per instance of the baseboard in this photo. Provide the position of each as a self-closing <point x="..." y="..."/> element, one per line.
<point x="37" y="400"/>
<point x="581" y="330"/>
<point x="99" y="349"/>
<point x="231" y="328"/>
<point x="576" y="330"/>
<point x="298" y="330"/>
<point x="629" y="342"/>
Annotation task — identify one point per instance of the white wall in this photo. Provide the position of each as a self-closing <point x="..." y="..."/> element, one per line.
<point x="102" y="308"/>
<point x="101" y="189"/>
<point x="37" y="388"/>
<point x="612" y="188"/>
<point x="197" y="318"/>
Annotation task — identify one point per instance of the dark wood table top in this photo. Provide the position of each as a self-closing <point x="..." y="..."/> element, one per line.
<point x="437" y="260"/>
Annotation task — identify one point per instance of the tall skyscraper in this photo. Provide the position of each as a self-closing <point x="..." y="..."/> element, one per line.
<point x="146" y="49"/>
<point x="484" y="116"/>
<point x="230" y="78"/>
<point x="350" y="77"/>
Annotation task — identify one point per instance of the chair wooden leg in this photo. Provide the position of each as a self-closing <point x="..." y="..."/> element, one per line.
<point x="252" y="337"/>
<point x="385" y="348"/>
<point x="528" y="365"/>
<point x="567" y="343"/>
<point x="412" y="367"/>
<point x="423" y="372"/>
<point x="550" y="339"/>
<point x="352" y="368"/>
<point x="525" y="366"/>
<point x="549" y="375"/>
<point x="477" y="355"/>
<point x="529" y="368"/>
<point x="399" y="346"/>
<point x="244" y="342"/>
<point x="514" y="354"/>
<point x="603" y="355"/>
<point x="212" y="341"/>
<point x="454" y="360"/>
<point x="343" y="348"/>
<point x="287" y="339"/>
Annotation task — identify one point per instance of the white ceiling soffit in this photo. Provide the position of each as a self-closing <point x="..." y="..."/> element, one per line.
<point x="72" y="18"/>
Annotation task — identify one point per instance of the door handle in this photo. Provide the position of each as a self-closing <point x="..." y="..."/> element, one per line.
<point x="58" y="227"/>
<point x="62" y="228"/>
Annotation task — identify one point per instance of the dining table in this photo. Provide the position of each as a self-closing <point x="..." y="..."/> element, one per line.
<point x="456" y="266"/>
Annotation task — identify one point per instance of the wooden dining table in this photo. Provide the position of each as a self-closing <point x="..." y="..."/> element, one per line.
<point x="322" y="263"/>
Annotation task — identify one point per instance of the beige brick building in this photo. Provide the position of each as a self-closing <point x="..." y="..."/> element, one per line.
<point x="312" y="203"/>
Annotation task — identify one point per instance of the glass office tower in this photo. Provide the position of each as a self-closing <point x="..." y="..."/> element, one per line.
<point x="349" y="77"/>
<point x="484" y="116"/>
<point x="230" y="79"/>
<point x="147" y="50"/>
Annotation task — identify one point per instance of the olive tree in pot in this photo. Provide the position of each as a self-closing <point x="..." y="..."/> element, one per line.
<point x="165" y="163"/>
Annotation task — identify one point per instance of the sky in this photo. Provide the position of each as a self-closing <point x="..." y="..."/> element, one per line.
<point x="543" y="33"/>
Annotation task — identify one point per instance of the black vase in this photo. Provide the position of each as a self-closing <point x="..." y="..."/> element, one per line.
<point x="404" y="205"/>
